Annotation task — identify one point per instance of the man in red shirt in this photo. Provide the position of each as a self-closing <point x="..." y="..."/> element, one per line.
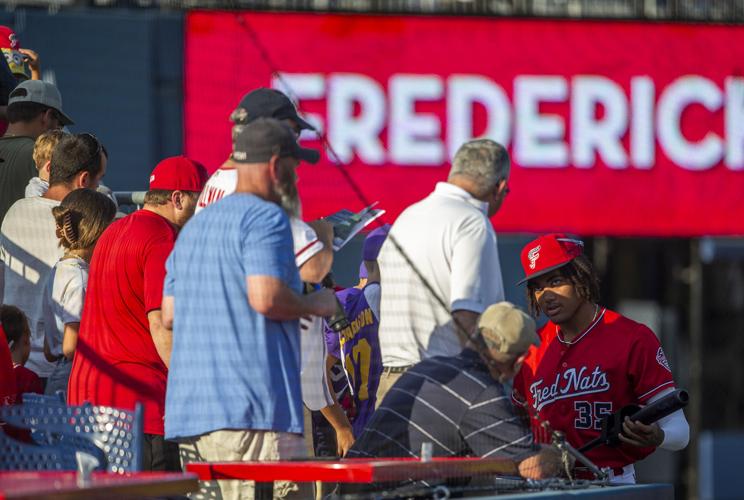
<point x="123" y="350"/>
<point x="591" y="362"/>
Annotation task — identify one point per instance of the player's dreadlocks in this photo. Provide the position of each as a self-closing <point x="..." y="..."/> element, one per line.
<point x="581" y="274"/>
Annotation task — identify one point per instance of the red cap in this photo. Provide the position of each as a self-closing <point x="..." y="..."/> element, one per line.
<point x="178" y="173"/>
<point x="547" y="253"/>
<point x="10" y="45"/>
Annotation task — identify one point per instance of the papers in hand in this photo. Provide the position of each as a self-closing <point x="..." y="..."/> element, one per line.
<point x="346" y="224"/>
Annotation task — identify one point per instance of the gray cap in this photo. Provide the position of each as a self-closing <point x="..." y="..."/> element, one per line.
<point x="40" y="92"/>
<point x="263" y="138"/>
<point x="507" y="329"/>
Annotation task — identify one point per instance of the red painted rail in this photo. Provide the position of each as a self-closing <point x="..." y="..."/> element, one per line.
<point x="63" y="485"/>
<point x="352" y="470"/>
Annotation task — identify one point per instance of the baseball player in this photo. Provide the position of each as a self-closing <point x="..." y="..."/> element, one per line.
<point x="591" y="362"/>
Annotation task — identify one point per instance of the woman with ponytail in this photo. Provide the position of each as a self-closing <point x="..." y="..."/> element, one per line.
<point x="80" y="220"/>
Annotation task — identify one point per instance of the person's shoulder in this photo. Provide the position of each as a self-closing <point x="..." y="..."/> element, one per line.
<point x="547" y="332"/>
<point x="618" y="324"/>
<point x="260" y="209"/>
<point x="138" y="228"/>
<point x="70" y="268"/>
<point x="465" y="362"/>
<point x="23" y="373"/>
<point x="24" y="206"/>
<point x="18" y="142"/>
<point x="347" y="293"/>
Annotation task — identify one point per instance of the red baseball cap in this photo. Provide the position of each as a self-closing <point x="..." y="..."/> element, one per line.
<point x="547" y="253"/>
<point x="178" y="173"/>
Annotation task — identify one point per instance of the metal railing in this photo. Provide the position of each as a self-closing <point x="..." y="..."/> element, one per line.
<point x="723" y="11"/>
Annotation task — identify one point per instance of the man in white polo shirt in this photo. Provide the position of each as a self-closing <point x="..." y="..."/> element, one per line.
<point x="450" y="240"/>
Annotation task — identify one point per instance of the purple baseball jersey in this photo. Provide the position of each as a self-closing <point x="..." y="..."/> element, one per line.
<point x="358" y="347"/>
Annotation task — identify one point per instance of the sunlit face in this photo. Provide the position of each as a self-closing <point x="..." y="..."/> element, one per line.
<point x="96" y="181"/>
<point x="497" y="197"/>
<point x="556" y="296"/>
<point x="51" y="120"/>
<point x="185" y="206"/>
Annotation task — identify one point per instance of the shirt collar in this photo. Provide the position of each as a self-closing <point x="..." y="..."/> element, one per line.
<point x="452" y="191"/>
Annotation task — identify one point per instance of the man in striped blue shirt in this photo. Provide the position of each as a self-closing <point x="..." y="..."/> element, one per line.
<point x="459" y="403"/>
<point x="232" y="296"/>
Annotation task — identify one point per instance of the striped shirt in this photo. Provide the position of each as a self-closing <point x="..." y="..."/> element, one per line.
<point x="452" y="402"/>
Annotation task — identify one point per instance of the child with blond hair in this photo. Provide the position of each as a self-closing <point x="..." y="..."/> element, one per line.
<point x="81" y="218"/>
<point x="42" y="156"/>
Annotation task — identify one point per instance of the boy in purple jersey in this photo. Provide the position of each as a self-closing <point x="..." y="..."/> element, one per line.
<point x="358" y="346"/>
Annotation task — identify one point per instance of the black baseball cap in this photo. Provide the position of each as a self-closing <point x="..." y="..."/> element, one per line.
<point x="268" y="103"/>
<point x="263" y="138"/>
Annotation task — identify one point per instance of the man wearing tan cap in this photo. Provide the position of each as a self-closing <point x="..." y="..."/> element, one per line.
<point x="459" y="404"/>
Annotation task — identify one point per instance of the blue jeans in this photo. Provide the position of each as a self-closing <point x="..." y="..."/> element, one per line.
<point x="57" y="381"/>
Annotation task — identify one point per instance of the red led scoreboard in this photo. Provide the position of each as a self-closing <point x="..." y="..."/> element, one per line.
<point x="618" y="128"/>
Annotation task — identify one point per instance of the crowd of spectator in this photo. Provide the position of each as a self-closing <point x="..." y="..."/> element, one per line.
<point x="210" y="305"/>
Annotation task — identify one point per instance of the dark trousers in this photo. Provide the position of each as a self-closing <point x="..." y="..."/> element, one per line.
<point x="160" y="455"/>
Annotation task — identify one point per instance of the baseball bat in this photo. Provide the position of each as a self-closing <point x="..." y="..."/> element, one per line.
<point x="659" y="409"/>
<point x="612" y="425"/>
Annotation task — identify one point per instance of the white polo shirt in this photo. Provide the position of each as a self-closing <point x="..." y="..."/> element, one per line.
<point x="450" y="239"/>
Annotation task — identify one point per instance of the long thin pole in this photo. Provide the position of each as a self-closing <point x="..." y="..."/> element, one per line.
<point x="695" y="312"/>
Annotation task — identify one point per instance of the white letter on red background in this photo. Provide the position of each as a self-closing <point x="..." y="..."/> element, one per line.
<point x="463" y="91"/>
<point x="735" y="123"/>
<point x="675" y="98"/>
<point x="303" y="86"/>
<point x="539" y="139"/>
<point x="642" y="146"/>
<point x="361" y="134"/>
<point x="589" y="135"/>
<point x="413" y="138"/>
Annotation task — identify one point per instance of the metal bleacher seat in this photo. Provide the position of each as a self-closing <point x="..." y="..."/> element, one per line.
<point x="17" y="455"/>
<point x="33" y="398"/>
<point x="113" y="437"/>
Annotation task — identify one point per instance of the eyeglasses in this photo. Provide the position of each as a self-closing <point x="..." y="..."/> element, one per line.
<point x="99" y="148"/>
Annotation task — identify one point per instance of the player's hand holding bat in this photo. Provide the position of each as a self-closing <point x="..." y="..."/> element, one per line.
<point x="639" y="434"/>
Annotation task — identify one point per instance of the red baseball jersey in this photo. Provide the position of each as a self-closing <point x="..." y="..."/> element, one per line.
<point x="571" y="385"/>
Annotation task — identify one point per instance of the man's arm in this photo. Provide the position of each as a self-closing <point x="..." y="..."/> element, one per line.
<point x="167" y="311"/>
<point x="544" y="464"/>
<point x="466" y="327"/>
<point x="272" y="298"/>
<point x="162" y="337"/>
<point x="340" y="423"/>
<point x="70" y="339"/>
<point x="670" y="433"/>
<point x="319" y="265"/>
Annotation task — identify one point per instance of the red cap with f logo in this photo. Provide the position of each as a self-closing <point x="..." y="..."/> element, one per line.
<point x="547" y="253"/>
